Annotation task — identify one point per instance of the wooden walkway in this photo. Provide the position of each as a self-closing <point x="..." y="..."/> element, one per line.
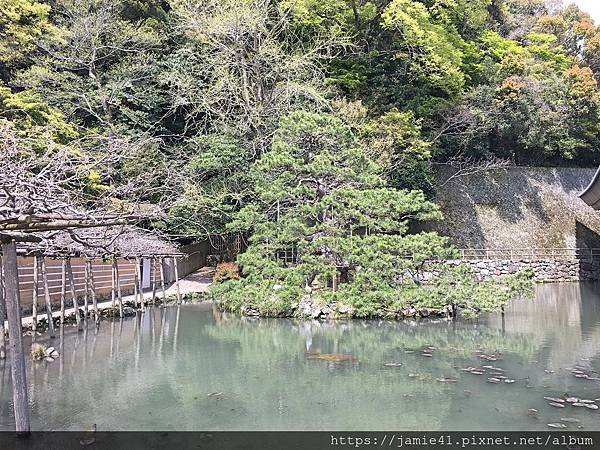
<point x="196" y="282"/>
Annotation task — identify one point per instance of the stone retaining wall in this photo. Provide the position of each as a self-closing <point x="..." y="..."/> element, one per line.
<point x="545" y="270"/>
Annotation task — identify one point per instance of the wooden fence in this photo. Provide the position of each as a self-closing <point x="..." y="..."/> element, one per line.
<point x="102" y="272"/>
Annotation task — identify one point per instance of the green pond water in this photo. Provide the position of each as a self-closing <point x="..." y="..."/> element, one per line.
<point x="190" y="367"/>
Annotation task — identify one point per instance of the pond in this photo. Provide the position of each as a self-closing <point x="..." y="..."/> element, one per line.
<point x="190" y="367"/>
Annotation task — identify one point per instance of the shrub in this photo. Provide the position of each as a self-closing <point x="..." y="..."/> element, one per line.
<point x="226" y="271"/>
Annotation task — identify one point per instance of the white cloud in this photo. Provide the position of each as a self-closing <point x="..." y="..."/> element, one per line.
<point x="590" y="6"/>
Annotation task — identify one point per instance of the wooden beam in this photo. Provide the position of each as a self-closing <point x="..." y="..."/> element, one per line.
<point x="60" y="225"/>
<point x="17" y="351"/>
<point x="18" y="237"/>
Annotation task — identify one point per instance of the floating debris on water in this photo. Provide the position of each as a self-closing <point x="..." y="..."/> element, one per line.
<point x="446" y="380"/>
<point x="532" y="412"/>
<point x="570" y="420"/>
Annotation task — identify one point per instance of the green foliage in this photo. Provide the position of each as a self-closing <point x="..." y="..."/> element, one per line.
<point x="22" y="22"/>
<point x="321" y="197"/>
<point x="225" y="101"/>
<point x="433" y="50"/>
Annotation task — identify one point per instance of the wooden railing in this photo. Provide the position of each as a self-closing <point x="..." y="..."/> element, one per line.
<point x="530" y="254"/>
<point x="289" y="256"/>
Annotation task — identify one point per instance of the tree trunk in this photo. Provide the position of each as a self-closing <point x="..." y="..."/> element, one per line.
<point x="17" y="352"/>
<point x="73" y="294"/>
<point x="34" y="300"/>
<point x="47" y="298"/>
<point x="2" y="316"/>
<point x="63" y="290"/>
<point x="177" y="280"/>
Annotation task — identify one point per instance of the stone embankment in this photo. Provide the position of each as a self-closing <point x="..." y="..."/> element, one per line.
<point x="545" y="270"/>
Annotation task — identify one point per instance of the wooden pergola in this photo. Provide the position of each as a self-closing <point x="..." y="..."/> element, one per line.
<point x="43" y="236"/>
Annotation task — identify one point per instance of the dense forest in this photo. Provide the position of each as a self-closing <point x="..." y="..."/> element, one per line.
<point x="304" y="124"/>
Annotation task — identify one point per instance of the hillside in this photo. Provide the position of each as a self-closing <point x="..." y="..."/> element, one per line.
<point x="519" y="208"/>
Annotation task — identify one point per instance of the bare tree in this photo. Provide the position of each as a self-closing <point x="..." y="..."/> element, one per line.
<point x="45" y="192"/>
<point x="243" y="66"/>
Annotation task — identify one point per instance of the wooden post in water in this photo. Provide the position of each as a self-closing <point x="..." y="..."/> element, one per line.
<point x="73" y="293"/>
<point x="2" y="315"/>
<point x="113" y="291"/>
<point x="86" y="295"/>
<point x="47" y="298"/>
<point x="177" y="280"/>
<point x="153" y="279"/>
<point x="136" y="285"/>
<point x="15" y="333"/>
<point x="34" y="300"/>
<point x="93" y="292"/>
<point x="162" y="279"/>
<point x="63" y="290"/>
<point x="138" y="262"/>
<point x="118" y="283"/>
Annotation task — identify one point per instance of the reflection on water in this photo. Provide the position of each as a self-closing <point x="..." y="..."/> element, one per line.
<point x="193" y="368"/>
